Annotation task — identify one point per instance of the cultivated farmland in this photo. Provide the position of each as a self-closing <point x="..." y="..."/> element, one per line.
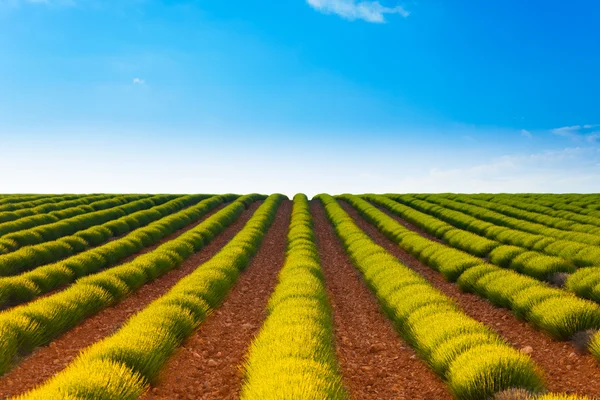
<point x="375" y="296"/>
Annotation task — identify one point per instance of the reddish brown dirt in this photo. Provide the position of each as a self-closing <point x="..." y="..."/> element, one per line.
<point x="209" y="364"/>
<point x="565" y="369"/>
<point x="375" y="362"/>
<point x="47" y="361"/>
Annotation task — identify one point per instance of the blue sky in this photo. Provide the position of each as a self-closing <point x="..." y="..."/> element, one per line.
<point x="299" y="95"/>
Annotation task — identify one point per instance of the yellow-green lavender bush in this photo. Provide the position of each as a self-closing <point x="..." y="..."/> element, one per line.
<point x="475" y="362"/>
<point x="66" y="210"/>
<point x="40" y="321"/>
<point x="141" y="347"/>
<point x="42" y="252"/>
<point x="161" y="221"/>
<point x="500" y="286"/>
<point x="293" y="355"/>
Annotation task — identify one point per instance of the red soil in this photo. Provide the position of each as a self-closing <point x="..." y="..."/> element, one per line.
<point x="375" y="362"/>
<point x="209" y="364"/>
<point x="46" y="361"/>
<point x="565" y="369"/>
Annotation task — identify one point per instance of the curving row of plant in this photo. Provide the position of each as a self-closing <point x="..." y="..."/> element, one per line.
<point x="37" y="323"/>
<point x="138" y="214"/>
<point x="123" y="365"/>
<point x="473" y="359"/>
<point x="581" y="204"/>
<point x="532" y="263"/>
<point x="515" y="223"/>
<point x="585" y="282"/>
<point x="48" y="228"/>
<point x="572" y="213"/>
<point x="555" y="311"/>
<point x="69" y="211"/>
<point x="148" y="226"/>
<point x="579" y="254"/>
<point x="19" y="198"/>
<point x="29" y="203"/>
<point x="293" y="356"/>
<point x="535" y="217"/>
<point x="58" y="207"/>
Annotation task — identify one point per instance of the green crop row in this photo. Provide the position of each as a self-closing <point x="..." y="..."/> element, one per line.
<point x="7" y="216"/>
<point x="37" y="323"/>
<point x="46" y="227"/>
<point x="472" y="358"/>
<point x="40" y="201"/>
<point x="585" y="283"/>
<point x="464" y="240"/>
<point x="581" y="204"/>
<point x="19" y="198"/>
<point x="578" y="253"/>
<point x="70" y="210"/>
<point x="534" y="217"/>
<point x="148" y="226"/>
<point x="293" y="356"/>
<point x="531" y="263"/>
<point x="123" y="365"/>
<point x="498" y="218"/>
<point x="554" y="311"/>
<point x="576" y="217"/>
<point x="115" y="222"/>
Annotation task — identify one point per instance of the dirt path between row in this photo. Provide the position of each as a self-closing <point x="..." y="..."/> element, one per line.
<point x="208" y="365"/>
<point x="375" y="362"/>
<point x="565" y="369"/>
<point x="47" y="361"/>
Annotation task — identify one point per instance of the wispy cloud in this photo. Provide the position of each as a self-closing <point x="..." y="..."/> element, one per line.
<point x="579" y="133"/>
<point x="526" y="133"/>
<point x="370" y="11"/>
<point x="138" y="81"/>
<point x="564" y="170"/>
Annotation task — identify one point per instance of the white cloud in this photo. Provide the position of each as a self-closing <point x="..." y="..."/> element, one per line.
<point x="567" y="131"/>
<point x="566" y="170"/>
<point x="138" y="81"/>
<point x="579" y="133"/>
<point x="526" y="133"/>
<point x="370" y="11"/>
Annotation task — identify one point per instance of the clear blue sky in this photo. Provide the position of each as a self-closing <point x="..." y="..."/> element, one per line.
<point x="299" y="95"/>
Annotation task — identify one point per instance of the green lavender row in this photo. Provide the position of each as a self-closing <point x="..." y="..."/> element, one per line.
<point x="8" y="216"/>
<point x="51" y="228"/>
<point x="554" y="223"/>
<point x="517" y="224"/>
<point x="19" y="198"/>
<point x="293" y="356"/>
<point x="39" y="201"/>
<point x="532" y="263"/>
<point x="24" y="328"/>
<point x="555" y="311"/>
<point x="147" y="226"/>
<point x="473" y="359"/>
<point x="579" y="253"/>
<point x="118" y="221"/>
<point x="123" y="365"/>
<point x="67" y="211"/>
<point x="581" y="215"/>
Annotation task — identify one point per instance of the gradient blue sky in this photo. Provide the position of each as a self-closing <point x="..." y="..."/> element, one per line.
<point x="299" y="95"/>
